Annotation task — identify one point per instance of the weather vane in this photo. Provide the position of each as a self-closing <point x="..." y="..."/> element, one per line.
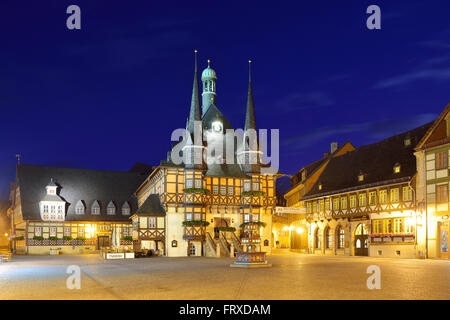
<point x="18" y="158"/>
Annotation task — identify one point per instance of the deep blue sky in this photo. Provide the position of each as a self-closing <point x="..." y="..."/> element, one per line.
<point x="110" y="94"/>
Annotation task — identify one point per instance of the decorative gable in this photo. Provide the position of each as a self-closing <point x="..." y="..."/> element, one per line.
<point x="52" y="207"/>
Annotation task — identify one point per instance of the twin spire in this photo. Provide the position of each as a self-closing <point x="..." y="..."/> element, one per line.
<point x="195" y="111"/>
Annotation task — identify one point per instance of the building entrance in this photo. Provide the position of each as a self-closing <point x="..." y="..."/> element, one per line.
<point x="362" y="240"/>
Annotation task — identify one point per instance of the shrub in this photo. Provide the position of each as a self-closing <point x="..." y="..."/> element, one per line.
<point x="67" y="237"/>
<point x="258" y="223"/>
<point x="127" y="238"/>
<point x="38" y="238"/>
<point x="227" y="229"/>
<point x="254" y="193"/>
<point x="80" y="238"/>
<point x="52" y="238"/>
<point x="196" y="190"/>
<point x="195" y="223"/>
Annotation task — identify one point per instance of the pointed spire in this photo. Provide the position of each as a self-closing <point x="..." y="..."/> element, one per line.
<point x="250" y="122"/>
<point x="195" y="112"/>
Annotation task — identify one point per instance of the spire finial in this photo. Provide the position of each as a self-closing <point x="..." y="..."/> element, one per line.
<point x="209" y="61"/>
<point x="18" y="158"/>
<point x="249" y="70"/>
<point x="195" y="59"/>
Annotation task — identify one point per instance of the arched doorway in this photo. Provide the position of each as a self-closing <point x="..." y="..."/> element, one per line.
<point x="328" y="239"/>
<point x="340" y="237"/>
<point x="361" y="240"/>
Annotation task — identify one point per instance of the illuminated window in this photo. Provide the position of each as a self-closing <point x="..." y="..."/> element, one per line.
<point x="407" y="194"/>
<point x="246" y="185"/>
<point x="377" y="226"/>
<point x="320" y="186"/>
<point x="407" y="141"/>
<point x="344" y="203"/>
<point x="38" y="231"/>
<point x="81" y="231"/>
<point x="230" y="191"/>
<point x="327" y="204"/>
<point x="442" y="193"/>
<point x="397" y="168"/>
<point x="336" y="204"/>
<point x="398" y="225"/>
<point x="255" y="186"/>
<point x="223" y="190"/>
<point x="189" y="183"/>
<point x="52" y="231"/>
<point x="321" y="205"/>
<point x="361" y="177"/>
<point x="395" y="195"/>
<point x="372" y="198"/>
<point x="353" y="201"/>
<point x="198" y="183"/>
<point x="441" y="160"/>
<point x="387" y="225"/>
<point x="340" y="237"/>
<point x="383" y="196"/>
<point x="362" y="200"/>
<point x="111" y="209"/>
<point x="67" y="231"/>
<point x="215" y="189"/>
<point x="152" y="222"/>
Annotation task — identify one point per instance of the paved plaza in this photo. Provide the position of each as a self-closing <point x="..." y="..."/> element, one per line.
<point x="293" y="276"/>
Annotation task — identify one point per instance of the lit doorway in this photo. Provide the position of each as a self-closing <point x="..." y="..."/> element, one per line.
<point x="362" y="240"/>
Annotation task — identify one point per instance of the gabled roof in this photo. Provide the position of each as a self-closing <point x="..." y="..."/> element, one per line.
<point x="437" y="125"/>
<point x="152" y="205"/>
<point x="311" y="168"/>
<point x="376" y="161"/>
<point x="77" y="184"/>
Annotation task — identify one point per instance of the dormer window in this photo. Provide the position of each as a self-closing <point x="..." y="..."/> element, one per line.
<point x="111" y="209"/>
<point x="407" y="141"/>
<point x="397" y="168"/>
<point x="79" y="208"/>
<point x="320" y="186"/>
<point x="126" y="209"/>
<point x="360" y="176"/>
<point x="95" y="209"/>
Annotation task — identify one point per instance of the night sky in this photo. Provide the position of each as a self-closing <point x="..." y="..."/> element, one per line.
<point x="110" y="94"/>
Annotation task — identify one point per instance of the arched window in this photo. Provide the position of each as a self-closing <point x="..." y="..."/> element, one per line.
<point x="340" y="234"/>
<point x="317" y="239"/>
<point x="111" y="209"/>
<point x="79" y="208"/>
<point x="126" y="209"/>
<point x="328" y="238"/>
<point x="95" y="209"/>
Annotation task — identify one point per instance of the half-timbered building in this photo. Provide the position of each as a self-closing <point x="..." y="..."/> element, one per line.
<point x="207" y="203"/>
<point x="433" y="179"/>
<point x="363" y="203"/>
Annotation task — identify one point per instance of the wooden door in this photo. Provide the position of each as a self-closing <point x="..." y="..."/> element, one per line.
<point x="361" y="240"/>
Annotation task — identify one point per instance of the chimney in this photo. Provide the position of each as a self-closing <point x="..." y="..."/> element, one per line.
<point x="334" y="146"/>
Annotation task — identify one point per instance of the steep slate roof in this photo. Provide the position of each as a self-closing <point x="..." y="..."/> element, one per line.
<point x="78" y="184"/>
<point x="376" y="161"/>
<point x="152" y="206"/>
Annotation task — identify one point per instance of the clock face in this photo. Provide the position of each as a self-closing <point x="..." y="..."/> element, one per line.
<point x="217" y="126"/>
